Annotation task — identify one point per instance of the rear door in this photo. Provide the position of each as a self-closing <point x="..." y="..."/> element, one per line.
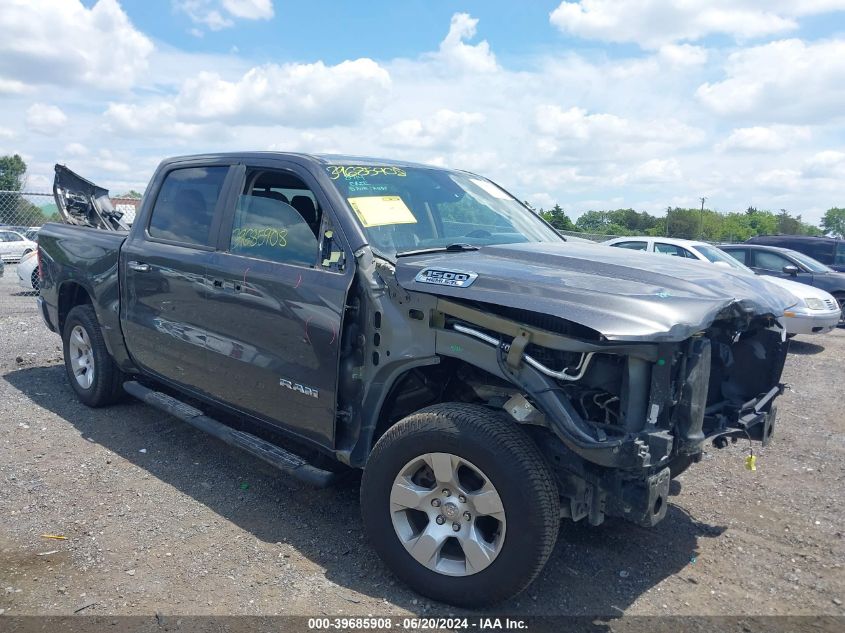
<point x="277" y="291"/>
<point x="163" y="268"/>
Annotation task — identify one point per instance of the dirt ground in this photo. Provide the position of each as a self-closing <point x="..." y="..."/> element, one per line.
<point x="161" y="518"/>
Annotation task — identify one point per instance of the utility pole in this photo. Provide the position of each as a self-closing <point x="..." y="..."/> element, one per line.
<point x="701" y="218"/>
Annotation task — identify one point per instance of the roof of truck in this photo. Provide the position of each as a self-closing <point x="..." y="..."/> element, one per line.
<point x="325" y="159"/>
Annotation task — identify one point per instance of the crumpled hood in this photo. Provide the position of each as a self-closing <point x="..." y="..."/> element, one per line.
<point x="623" y="294"/>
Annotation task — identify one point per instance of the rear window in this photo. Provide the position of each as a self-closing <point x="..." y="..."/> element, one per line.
<point x="739" y="254"/>
<point x="634" y="246"/>
<point x="184" y="209"/>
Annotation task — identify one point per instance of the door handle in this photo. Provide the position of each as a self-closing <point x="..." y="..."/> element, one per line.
<point x="139" y="267"/>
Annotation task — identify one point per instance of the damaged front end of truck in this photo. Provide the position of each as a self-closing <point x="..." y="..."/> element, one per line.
<point x="623" y="375"/>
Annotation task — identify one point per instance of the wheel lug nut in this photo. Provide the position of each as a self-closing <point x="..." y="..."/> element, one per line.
<point x="446" y="492"/>
<point x="440" y="520"/>
<point x="467" y="516"/>
<point x="435" y="503"/>
<point x="462" y="499"/>
<point x="456" y="527"/>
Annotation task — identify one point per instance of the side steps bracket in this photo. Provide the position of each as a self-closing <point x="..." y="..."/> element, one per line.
<point x="274" y="455"/>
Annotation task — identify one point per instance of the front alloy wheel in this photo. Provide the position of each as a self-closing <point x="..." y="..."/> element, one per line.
<point x="447" y="514"/>
<point x="460" y="504"/>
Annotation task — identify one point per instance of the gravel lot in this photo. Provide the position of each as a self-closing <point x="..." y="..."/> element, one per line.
<point x="159" y="517"/>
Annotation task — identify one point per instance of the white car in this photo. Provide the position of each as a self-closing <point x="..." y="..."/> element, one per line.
<point x="27" y="270"/>
<point x="815" y="311"/>
<point x="13" y="245"/>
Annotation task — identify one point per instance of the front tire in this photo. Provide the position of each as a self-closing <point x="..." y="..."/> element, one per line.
<point x="91" y="370"/>
<point x="459" y="503"/>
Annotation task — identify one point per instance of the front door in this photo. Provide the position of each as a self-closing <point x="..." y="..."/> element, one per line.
<point x="771" y="263"/>
<point x="275" y="307"/>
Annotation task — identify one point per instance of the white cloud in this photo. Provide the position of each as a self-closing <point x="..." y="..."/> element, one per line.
<point x="153" y="119"/>
<point x="217" y="15"/>
<point x="683" y="54"/>
<point x="63" y="42"/>
<point x="787" y="79"/>
<point x="470" y="57"/>
<point x="294" y="95"/>
<point x="45" y="119"/>
<point x="574" y="129"/>
<point x="764" y="139"/>
<point x="654" y="171"/>
<point x="75" y="149"/>
<point x="291" y="94"/>
<point x="13" y="86"/>
<point x="653" y="23"/>
<point x="444" y="129"/>
<point x="826" y="164"/>
<point x="250" y="9"/>
<point x="588" y="129"/>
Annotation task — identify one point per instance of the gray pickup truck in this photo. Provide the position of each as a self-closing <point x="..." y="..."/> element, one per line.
<point x="330" y="314"/>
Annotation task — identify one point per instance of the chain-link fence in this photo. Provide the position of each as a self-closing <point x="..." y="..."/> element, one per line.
<point x="24" y="210"/>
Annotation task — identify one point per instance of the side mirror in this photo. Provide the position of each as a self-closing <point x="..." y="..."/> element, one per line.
<point x="790" y="270"/>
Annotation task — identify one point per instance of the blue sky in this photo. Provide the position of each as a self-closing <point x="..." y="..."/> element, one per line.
<point x="593" y="104"/>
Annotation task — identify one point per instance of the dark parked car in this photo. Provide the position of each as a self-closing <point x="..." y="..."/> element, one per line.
<point x="827" y="250"/>
<point x="783" y="262"/>
<point x="420" y="324"/>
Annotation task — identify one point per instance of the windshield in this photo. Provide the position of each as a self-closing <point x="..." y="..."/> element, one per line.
<point x="406" y="209"/>
<point x="715" y="255"/>
<point x="813" y="264"/>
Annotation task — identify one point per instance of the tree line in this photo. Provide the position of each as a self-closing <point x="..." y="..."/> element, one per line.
<point x="696" y="224"/>
<point x="703" y="224"/>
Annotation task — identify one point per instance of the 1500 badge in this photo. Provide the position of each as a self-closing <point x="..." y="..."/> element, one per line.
<point x="445" y="277"/>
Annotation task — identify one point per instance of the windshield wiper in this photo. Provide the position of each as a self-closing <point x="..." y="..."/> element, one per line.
<point x="452" y="248"/>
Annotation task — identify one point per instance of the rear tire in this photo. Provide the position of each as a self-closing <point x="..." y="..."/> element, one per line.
<point x="33" y="279"/>
<point x="92" y="372"/>
<point x="498" y="513"/>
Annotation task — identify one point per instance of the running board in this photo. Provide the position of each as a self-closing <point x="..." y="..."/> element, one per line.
<point x="284" y="460"/>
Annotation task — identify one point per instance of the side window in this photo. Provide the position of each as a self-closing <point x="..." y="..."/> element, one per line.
<point x="4" y="237"/>
<point x="821" y="250"/>
<point x="739" y="255"/>
<point x="670" y="249"/>
<point x="184" y="209"/>
<point x="770" y="261"/>
<point x="839" y="260"/>
<point x="277" y="218"/>
<point x="634" y="246"/>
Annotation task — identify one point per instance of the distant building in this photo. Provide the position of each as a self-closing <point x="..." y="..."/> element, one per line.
<point x="128" y="206"/>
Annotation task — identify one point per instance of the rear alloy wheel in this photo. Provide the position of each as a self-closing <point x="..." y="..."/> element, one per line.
<point x="92" y="372"/>
<point x="460" y="504"/>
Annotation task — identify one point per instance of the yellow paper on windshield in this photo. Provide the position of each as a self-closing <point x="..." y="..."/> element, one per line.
<point x="381" y="210"/>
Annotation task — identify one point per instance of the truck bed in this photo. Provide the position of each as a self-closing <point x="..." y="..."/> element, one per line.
<point x="78" y="259"/>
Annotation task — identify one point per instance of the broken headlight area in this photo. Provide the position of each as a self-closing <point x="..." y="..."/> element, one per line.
<point x="618" y="421"/>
